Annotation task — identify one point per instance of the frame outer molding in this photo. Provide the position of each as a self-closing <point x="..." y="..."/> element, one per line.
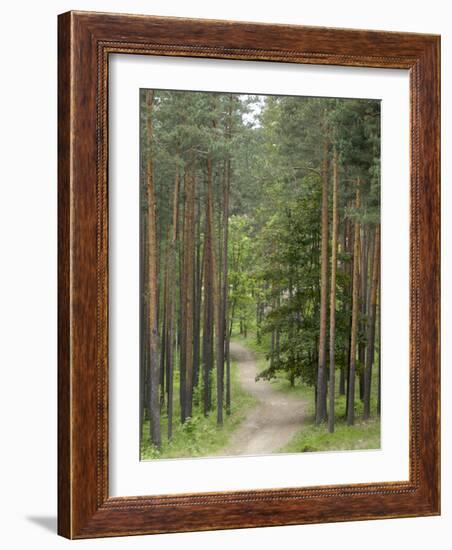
<point x="85" y="41"/>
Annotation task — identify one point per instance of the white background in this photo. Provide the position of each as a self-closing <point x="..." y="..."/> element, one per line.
<point x="128" y="476"/>
<point x="28" y="271"/>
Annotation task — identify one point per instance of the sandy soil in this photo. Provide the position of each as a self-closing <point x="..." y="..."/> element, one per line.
<point x="274" y="420"/>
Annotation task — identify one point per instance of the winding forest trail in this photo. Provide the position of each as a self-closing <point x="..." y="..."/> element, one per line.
<point x="273" y="421"/>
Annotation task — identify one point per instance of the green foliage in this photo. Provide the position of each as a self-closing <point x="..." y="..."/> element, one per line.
<point x="285" y="228"/>
<point x="363" y="435"/>
<point x="278" y="149"/>
<point x="243" y="285"/>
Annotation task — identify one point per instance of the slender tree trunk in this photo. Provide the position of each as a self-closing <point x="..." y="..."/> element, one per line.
<point x="231" y="318"/>
<point x="379" y="383"/>
<point x="143" y="316"/>
<point x="277" y="331"/>
<point x="272" y="348"/>
<point x="371" y="323"/>
<point x="258" y="323"/>
<point x="321" y="373"/>
<point x="171" y="305"/>
<point x="378" y="323"/>
<point x="344" y="265"/>
<point x="219" y="352"/>
<point x="363" y="307"/>
<point x="355" y="314"/>
<point x="182" y="315"/>
<point x="164" y="325"/>
<point x="219" y="319"/>
<point x="277" y="345"/>
<point x="189" y="267"/>
<point x="209" y="277"/>
<point x="225" y="289"/>
<point x="333" y="299"/>
<point x="154" y="405"/>
<point x="197" y="299"/>
<point x="349" y="299"/>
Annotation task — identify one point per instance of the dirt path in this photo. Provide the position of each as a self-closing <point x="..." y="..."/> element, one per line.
<point x="275" y="419"/>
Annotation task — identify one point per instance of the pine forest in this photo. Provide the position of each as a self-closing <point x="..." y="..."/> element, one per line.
<point x="259" y="274"/>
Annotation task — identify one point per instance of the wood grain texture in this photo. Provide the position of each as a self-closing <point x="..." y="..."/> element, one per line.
<point x="64" y="295"/>
<point x="85" y="42"/>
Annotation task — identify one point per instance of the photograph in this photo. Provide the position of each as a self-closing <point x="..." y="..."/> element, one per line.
<point x="259" y="274"/>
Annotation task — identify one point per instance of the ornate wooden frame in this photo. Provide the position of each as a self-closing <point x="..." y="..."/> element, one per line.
<point x="85" y="42"/>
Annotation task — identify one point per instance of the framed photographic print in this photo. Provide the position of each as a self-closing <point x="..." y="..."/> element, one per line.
<point x="248" y="275"/>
